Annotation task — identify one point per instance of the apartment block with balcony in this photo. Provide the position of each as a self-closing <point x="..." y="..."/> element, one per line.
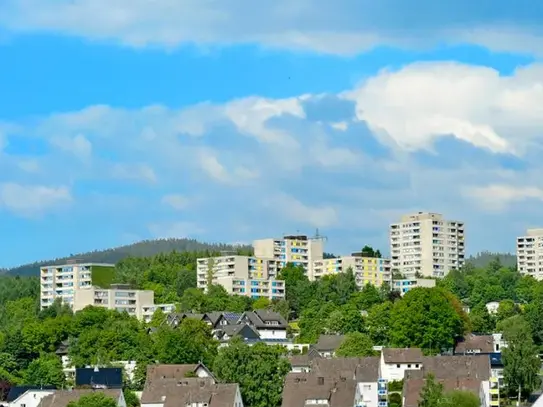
<point x="62" y="281"/>
<point x="119" y="297"/>
<point x="242" y="275"/>
<point x="530" y="253"/>
<point x="367" y="270"/>
<point x="298" y="249"/>
<point x="425" y="244"/>
<point x="148" y="310"/>
<point x="404" y="286"/>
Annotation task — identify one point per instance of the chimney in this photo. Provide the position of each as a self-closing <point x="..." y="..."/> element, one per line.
<point x="320" y="381"/>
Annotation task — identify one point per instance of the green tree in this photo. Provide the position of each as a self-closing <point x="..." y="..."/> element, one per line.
<point x="261" y="303"/>
<point x="378" y="323"/>
<point x="431" y="394"/>
<point x="94" y="399"/>
<point x="481" y="320"/>
<point x="366" y="298"/>
<point x="260" y="371"/>
<point x="131" y="398"/>
<point x="159" y="317"/>
<point x="356" y="344"/>
<point x="520" y="360"/>
<point x="367" y="251"/>
<point x="507" y="309"/>
<point x="459" y="398"/>
<point x="46" y="370"/>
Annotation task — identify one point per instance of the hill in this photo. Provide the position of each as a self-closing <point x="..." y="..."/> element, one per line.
<point x="482" y="259"/>
<point x="144" y="248"/>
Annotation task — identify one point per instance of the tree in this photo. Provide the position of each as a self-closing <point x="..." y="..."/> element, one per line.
<point x="366" y="298"/>
<point x="356" y="344"/>
<point x="481" y="321"/>
<point x="431" y="394"/>
<point x="367" y="251"/>
<point x="425" y="318"/>
<point x="261" y="303"/>
<point x="131" y="398"/>
<point x="260" y="371"/>
<point x="459" y="398"/>
<point x="210" y="274"/>
<point x="507" y="309"/>
<point x="159" y="317"/>
<point x="378" y="323"/>
<point x="520" y="360"/>
<point x="46" y="370"/>
<point x="94" y="399"/>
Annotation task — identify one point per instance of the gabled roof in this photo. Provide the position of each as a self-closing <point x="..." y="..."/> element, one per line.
<point x="262" y="319"/>
<point x="413" y="387"/>
<point x="214" y="317"/>
<point x="232" y="317"/>
<point x="481" y="343"/>
<point x="112" y="377"/>
<point x="402" y="355"/>
<point x="300" y="387"/>
<point x="365" y="369"/>
<point x="61" y="398"/>
<point x="329" y="342"/>
<point x="63" y="348"/>
<point x="176" y="372"/>
<point x="245" y="331"/>
<point x="452" y="367"/>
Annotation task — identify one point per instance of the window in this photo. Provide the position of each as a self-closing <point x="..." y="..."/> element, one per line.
<point x="398" y="366"/>
<point x="409" y="366"/>
<point x="367" y="387"/>
<point x="417" y="365"/>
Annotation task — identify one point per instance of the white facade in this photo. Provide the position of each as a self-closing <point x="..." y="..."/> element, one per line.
<point x="492" y="307"/>
<point x="396" y="371"/>
<point x="427" y="244"/>
<point x="62" y="281"/>
<point x="299" y="250"/>
<point x="404" y="286"/>
<point x="367" y="270"/>
<point x="530" y="253"/>
<point x="367" y="394"/>
<point x="147" y="311"/>
<point x="30" y="398"/>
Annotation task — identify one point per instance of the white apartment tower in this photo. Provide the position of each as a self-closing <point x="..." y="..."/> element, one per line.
<point x="299" y="250"/>
<point x="530" y="253"/>
<point x="426" y="244"/>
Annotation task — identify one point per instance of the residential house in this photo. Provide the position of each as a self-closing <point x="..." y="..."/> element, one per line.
<point x="474" y="344"/>
<point x="303" y="363"/>
<point x="246" y="332"/>
<point x="103" y="377"/>
<point x="328" y="344"/>
<point x="492" y="307"/>
<point x="395" y="361"/>
<point x="61" y="398"/>
<point x="177" y="372"/>
<point x="28" y="396"/>
<point x="268" y="324"/>
<point x="306" y="389"/>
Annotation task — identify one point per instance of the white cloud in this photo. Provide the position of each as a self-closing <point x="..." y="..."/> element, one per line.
<point x="78" y="145"/>
<point x="136" y="172"/>
<point x="291" y="208"/>
<point x="32" y="200"/>
<point x="341" y="27"/>
<point x="176" y="201"/>
<point x="213" y="168"/>
<point x="497" y="197"/>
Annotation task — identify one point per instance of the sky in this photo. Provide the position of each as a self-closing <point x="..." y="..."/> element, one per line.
<point x="231" y="120"/>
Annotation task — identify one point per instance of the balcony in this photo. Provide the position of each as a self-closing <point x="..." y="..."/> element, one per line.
<point x="383" y="404"/>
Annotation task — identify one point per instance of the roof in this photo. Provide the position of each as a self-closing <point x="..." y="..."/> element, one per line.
<point x="365" y="369"/>
<point x="450" y="367"/>
<point x="402" y="355"/>
<point x="17" y="391"/>
<point x="177" y="372"/>
<point x="300" y="387"/>
<point x="232" y="317"/>
<point x="63" y="348"/>
<point x="300" y="360"/>
<point x="174" y="392"/>
<point x="112" y="377"/>
<point x="413" y="387"/>
<point x="61" y="398"/>
<point x="262" y="318"/>
<point x="232" y="330"/>
<point x="329" y="342"/>
<point x="481" y="343"/>
<point x="214" y="317"/>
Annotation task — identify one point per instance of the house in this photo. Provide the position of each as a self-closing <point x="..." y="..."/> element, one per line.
<point x="413" y="387"/>
<point x="328" y="344"/>
<point x="268" y="324"/>
<point x="28" y="396"/>
<point x="395" y="361"/>
<point x="215" y="320"/>
<point x="303" y="363"/>
<point x="492" y="307"/>
<point x="177" y="372"/>
<point x="337" y="382"/>
<point x="61" y="398"/>
<point x="191" y="392"/>
<point x="244" y="331"/>
<point x="103" y="377"/>
<point x="62" y="352"/>
<point x="472" y="344"/>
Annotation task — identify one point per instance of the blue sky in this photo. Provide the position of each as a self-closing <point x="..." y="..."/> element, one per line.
<point x="229" y="121"/>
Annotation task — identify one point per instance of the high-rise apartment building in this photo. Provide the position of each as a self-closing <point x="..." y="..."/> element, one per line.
<point x="367" y="270"/>
<point x="241" y="275"/>
<point x="61" y="281"/>
<point x="530" y="253"/>
<point x="426" y="244"/>
<point x="299" y="250"/>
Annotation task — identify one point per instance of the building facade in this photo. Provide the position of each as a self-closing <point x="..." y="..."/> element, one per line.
<point x="300" y="250"/>
<point x="425" y="244"/>
<point x="530" y="253"/>
<point x="62" y="281"/>
<point x="403" y="286"/>
<point x="119" y="297"/>
<point x="367" y="270"/>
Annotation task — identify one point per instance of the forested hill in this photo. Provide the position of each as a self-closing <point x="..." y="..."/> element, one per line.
<point x="144" y="248"/>
<point x="482" y="259"/>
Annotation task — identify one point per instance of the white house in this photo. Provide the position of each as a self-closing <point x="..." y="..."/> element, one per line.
<point x="30" y="398"/>
<point x="395" y="361"/>
<point x="268" y="324"/>
<point x="492" y="307"/>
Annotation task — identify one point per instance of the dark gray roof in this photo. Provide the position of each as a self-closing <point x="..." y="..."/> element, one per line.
<point x="232" y="330"/>
<point x="402" y="355"/>
<point x="262" y="319"/>
<point x="329" y="342"/>
<point x="300" y="387"/>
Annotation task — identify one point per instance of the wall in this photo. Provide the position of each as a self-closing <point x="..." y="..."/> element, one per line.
<point x="366" y="392"/>
<point x="273" y="333"/>
<point x="31" y="398"/>
<point x="391" y="371"/>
